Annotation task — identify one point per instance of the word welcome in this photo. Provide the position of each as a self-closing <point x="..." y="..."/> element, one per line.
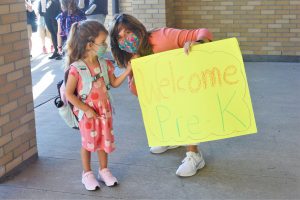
<point x="167" y="86"/>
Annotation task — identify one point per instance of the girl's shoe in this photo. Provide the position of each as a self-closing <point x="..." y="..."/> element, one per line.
<point x="89" y="181"/>
<point x="106" y="176"/>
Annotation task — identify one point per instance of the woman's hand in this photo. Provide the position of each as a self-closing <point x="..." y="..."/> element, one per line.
<point x="90" y="113"/>
<point x="187" y="47"/>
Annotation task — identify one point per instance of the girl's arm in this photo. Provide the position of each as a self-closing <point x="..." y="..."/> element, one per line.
<point x="70" y="88"/>
<point x="117" y="81"/>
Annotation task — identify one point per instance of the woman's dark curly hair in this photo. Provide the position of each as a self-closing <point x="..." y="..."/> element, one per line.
<point x="130" y="23"/>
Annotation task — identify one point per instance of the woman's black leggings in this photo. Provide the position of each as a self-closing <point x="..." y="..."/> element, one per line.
<point x="52" y="27"/>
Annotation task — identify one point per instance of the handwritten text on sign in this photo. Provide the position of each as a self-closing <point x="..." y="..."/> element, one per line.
<point x="200" y="97"/>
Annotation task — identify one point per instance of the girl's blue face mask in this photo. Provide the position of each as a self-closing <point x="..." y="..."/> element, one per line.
<point x="101" y="49"/>
<point x="130" y="44"/>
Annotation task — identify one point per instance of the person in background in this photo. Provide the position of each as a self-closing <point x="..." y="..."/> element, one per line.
<point x="31" y="17"/>
<point x="94" y="9"/>
<point x="42" y="28"/>
<point x="52" y="10"/>
<point x="69" y="15"/>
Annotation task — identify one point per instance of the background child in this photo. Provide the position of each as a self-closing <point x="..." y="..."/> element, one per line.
<point x="86" y="43"/>
<point x="69" y="15"/>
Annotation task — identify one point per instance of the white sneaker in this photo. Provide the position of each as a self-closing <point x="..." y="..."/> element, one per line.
<point x="190" y="164"/>
<point x="161" y="149"/>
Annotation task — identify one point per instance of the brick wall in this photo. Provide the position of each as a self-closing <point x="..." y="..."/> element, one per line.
<point x="17" y="125"/>
<point x="263" y="27"/>
<point x="152" y="13"/>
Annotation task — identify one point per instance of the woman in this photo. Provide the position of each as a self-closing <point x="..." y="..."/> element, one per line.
<point x="129" y="39"/>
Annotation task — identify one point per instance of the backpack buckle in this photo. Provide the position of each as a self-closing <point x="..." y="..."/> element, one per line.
<point x="96" y="77"/>
<point x="83" y="97"/>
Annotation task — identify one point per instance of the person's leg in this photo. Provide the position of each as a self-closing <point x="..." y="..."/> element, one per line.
<point x="86" y="159"/>
<point x="102" y="158"/>
<point x="42" y="33"/>
<point x="104" y="173"/>
<point x="192" y="162"/>
<point x="53" y="31"/>
<point x="88" y="179"/>
<point x="54" y="34"/>
<point x="29" y="32"/>
<point x="192" y="148"/>
<point x="48" y="35"/>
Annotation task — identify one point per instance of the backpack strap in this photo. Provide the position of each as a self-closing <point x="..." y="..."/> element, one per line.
<point x="104" y="71"/>
<point x="87" y="81"/>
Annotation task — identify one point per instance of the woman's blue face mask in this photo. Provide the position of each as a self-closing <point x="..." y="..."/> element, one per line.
<point x="129" y="44"/>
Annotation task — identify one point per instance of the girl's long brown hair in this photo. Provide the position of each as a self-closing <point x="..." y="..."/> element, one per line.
<point x="80" y="35"/>
<point x="132" y="24"/>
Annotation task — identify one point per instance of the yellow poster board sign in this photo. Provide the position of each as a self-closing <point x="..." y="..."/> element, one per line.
<point x="187" y="99"/>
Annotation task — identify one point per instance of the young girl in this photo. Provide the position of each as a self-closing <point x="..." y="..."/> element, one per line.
<point x="86" y="44"/>
<point x="129" y="39"/>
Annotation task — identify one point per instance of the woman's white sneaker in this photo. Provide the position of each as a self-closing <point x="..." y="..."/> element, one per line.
<point x="161" y="149"/>
<point x="190" y="164"/>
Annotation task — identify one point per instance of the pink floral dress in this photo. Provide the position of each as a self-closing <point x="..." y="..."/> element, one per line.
<point x="96" y="133"/>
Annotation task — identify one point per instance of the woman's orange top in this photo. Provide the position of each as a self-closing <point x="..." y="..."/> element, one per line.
<point x="165" y="39"/>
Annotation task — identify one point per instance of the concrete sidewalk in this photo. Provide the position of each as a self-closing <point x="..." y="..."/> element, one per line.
<point x="259" y="166"/>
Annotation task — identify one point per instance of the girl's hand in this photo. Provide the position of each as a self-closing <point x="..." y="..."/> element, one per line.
<point x="90" y="113"/>
<point x="187" y="47"/>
